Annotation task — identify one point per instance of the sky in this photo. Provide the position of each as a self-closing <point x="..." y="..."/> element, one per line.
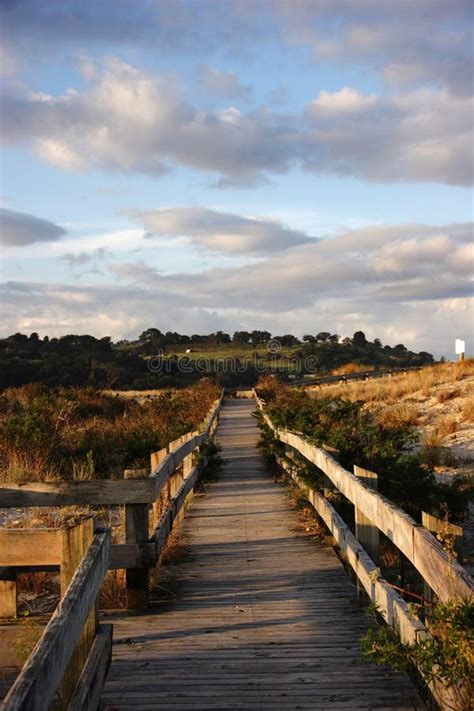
<point x="199" y="165"/>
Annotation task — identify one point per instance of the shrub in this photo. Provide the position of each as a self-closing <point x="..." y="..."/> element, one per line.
<point x="447" y="657"/>
<point x="404" y="477"/>
<point x="73" y="433"/>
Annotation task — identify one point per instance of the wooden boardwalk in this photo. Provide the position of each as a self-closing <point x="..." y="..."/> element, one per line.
<point x="255" y="616"/>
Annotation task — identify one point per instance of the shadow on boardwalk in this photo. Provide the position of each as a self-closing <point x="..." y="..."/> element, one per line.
<point x="255" y="615"/>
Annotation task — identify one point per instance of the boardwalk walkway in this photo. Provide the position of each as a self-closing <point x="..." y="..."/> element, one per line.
<point x="258" y="616"/>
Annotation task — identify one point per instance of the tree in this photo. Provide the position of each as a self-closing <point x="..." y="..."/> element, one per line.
<point x="241" y="337"/>
<point x="359" y="340"/>
<point x="323" y="336"/>
<point x="308" y="338"/>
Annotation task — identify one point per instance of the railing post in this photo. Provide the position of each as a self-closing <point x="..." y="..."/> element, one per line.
<point x="437" y="525"/>
<point x="75" y="542"/>
<point x="328" y="486"/>
<point x="366" y="532"/>
<point x="8" y="592"/>
<point x="136" y="531"/>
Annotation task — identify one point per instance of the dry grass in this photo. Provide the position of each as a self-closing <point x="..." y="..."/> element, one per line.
<point x="399" y="415"/>
<point x="445" y="395"/>
<point x="20" y="467"/>
<point x="351" y="368"/>
<point x="447" y="426"/>
<point x="467" y="410"/>
<point x="392" y="389"/>
<point x="113" y="593"/>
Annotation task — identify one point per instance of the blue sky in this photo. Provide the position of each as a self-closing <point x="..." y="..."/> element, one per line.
<point x="295" y="166"/>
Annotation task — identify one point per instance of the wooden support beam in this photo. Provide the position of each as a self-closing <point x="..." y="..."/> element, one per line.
<point x="437" y="525"/>
<point x="366" y="531"/>
<point x="136" y="532"/>
<point x="30" y="546"/>
<point x="71" y="493"/>
<point x="89" y="687"/>
<point x="8" y="593"/>
<point x="75" y="543"/>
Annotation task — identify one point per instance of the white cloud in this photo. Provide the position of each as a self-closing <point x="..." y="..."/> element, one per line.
<point x="131" y="121"/>
<point x="345" y="101"/>
<point x="220" y="231"/>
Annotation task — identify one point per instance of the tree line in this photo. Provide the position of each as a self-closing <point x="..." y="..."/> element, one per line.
<point x="83" y="360"/>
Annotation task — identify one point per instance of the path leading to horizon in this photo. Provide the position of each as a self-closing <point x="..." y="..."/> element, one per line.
<point x="255" y="615"/>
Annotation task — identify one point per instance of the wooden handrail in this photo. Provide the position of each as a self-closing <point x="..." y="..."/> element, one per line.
<point x="446" y="577"/>
<point x="43" y="672"/>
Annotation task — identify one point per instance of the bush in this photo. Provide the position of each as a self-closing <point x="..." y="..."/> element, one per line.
<point x="404" y="477"/>
<point x="448" y="657"/>
<point x="82" y="433"/>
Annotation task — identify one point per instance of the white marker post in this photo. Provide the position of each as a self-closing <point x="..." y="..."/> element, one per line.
<point x="460" y="347"/>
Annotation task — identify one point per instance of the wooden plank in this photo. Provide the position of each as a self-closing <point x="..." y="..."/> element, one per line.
<point x="89" y="688"/>
<point x="35" y="686"/>
<point x="8" y="592"/>
<point x="136" y="532"/>
<point x="75" y="543"/>
<point x="433" y="524"/>
<point x="255" y="613"/>
<point x="91" y="493"/>
<point x="157" y="457"/>
<point x="132" y="555"/>
<point x="366" y="532"/>
<point x="30" y="546"/>
<point x="171" y="515"/>
<point x="392" y="607"/>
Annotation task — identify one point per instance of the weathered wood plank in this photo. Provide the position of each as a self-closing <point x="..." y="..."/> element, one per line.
<point x="397" y="525"/>
<point x="35" y="686"/>
<point x="136" y="532"/>
<point x="8" y="592"/>
<point x="75" y="544"/>
<point x="89" y="688"/>
<point x="71" y="493"/>
<point x="132" y="555"/>
<point x="254" y="615"/>
<point x="33" y="546"/>
<point x="392" y="607"/>
<point x="366" y="532"/>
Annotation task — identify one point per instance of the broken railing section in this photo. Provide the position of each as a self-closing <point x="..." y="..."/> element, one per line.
<point x="374" y="513"/>
<point x="166" y="491"/>
<point x="70" y="662"/>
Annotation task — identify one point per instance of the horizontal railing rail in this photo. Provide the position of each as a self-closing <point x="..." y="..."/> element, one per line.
<point x="347" y="377"/>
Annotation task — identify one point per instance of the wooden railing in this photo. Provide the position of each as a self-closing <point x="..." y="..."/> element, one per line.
<point x="313" y="380"/>
<point x="444" y="576"/>
<point x="70" y="661"/>
<point x="173" y="476"/>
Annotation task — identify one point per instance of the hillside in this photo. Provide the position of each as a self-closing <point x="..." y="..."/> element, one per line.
<point x="159" y="360"/>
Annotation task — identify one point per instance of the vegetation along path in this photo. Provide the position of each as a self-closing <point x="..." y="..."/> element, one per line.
<point x="255" y="615"/>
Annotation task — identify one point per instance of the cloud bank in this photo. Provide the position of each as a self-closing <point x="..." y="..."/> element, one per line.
<point x="382" y="279"/>
<point x="128" y="120"/>
<point x="18" y="229"/>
